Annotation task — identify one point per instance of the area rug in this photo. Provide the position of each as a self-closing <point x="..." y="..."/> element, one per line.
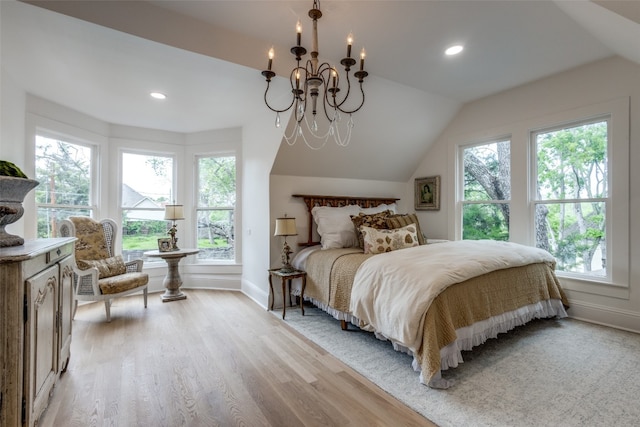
<point x="547" y="373"/>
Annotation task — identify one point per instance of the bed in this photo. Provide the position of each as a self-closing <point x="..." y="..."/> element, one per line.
<point x="431" y="300"/>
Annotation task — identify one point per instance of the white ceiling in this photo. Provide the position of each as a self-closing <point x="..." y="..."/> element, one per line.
<point x="206" y="55"/>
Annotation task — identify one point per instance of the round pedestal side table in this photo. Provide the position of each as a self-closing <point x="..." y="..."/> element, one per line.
<point x="172" y="280"/>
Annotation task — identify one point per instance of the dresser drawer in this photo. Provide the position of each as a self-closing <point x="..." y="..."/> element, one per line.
<point x="47" y="258"/>
<point x="57" y="254"/>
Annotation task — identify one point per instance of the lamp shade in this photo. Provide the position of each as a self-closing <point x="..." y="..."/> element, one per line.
<point x="286" y="227"/>
<point x="173" y="212"/>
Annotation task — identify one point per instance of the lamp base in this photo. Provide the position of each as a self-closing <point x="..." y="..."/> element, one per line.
<point x="286" y="258"/>
<point x="174" y="240"/>
<point x="287" y="268"/>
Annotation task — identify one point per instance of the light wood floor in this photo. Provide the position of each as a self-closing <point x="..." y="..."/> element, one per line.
<point x="214" y="359"/>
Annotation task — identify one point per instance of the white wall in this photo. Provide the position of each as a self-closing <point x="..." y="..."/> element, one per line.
<point x="594" y="83"/>
<point x="12" y="113"/>
<point x="260" y="142"/>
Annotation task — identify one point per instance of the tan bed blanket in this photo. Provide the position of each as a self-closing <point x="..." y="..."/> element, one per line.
<point x="493" y="294"/>
<point x="330" y="275"/>
<point x="393" y="293"/>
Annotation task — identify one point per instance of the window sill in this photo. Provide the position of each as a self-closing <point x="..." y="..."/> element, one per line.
<point x="594" y="287"/>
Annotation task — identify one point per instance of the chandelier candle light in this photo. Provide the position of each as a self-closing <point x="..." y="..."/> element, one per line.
<point x="315" y="80"/>
<point x="173" y="213"/>
<point x="286" y="227"/>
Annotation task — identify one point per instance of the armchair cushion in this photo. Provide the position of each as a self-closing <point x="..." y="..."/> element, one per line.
<point x="123" y="282"/>
<point x="106" y="267"/>
<point x="91" y="243"/>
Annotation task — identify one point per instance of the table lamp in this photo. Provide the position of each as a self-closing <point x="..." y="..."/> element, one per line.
<point x="286" y="227"/>
<point x="173" y="213"/>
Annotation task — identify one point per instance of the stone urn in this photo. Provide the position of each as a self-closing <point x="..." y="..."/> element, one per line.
<point x="12" y="193"/>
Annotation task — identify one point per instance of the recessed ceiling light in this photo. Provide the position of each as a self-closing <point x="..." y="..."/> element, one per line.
<point x="158" y="95"/>
<point x="454" y="50"/>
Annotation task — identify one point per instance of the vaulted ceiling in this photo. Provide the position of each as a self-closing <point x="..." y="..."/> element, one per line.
<point x="103" y="58"/>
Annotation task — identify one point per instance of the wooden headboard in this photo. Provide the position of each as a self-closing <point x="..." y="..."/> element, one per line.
<point x="312" y="200"/>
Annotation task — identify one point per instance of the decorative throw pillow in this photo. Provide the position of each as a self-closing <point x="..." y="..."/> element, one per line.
<point x="335" y="227"/>
<point x="377" y="220"/>
<point x="377" y="241"/>
<point x="90" y="243"/>
<point x="397" y="221"/>
<point x="108" y="267"/>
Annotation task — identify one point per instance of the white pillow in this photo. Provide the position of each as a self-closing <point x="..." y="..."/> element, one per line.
<point x="335" y="227"/>
<point x="379" y="240"/>
<point x="379" y="208"/>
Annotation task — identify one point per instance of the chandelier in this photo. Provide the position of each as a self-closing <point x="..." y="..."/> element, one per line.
<point x="316" y="80"/>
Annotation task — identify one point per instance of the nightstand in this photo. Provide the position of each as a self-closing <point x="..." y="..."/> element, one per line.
<point x="286" y="280"/>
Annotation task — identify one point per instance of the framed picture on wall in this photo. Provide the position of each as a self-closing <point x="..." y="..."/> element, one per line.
<point x="427" y="193"/>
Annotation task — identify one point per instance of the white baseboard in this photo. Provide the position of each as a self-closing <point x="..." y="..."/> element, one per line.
<point x="195" y="281"/>
<point x="606" y="316"/>
<point x="256" y="293"/>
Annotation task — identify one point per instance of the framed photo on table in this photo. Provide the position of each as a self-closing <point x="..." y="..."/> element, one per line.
<point x="427" y="193"/>
<point x="164" y="244"/>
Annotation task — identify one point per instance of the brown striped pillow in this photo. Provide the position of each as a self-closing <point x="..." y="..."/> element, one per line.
<point x="400" y="220"/>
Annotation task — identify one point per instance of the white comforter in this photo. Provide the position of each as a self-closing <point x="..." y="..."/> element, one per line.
<point x="392" y="291"/>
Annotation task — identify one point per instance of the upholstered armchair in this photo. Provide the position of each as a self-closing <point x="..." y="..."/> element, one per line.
<point x="100" y="275"/>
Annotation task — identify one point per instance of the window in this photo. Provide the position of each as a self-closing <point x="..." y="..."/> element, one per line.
<point x="215" y="209"/>
<point x="486" y="191"/>
<point x="569" y="191"/>
<point x="147" y="185"/>
<point x="64" y="170"/>
<point x="572" y="196"/>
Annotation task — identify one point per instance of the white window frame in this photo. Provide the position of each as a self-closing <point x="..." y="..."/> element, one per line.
<point x="91" y="206"/>
<point x="616" y="113"/>
<point x="49" y="128"/>
<point x="196" y="207"/>
<point x="523" y="188"/>
<point x="461" y="202"/>
<point x="175" y="194"/>
<point x="535" y="201"/>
